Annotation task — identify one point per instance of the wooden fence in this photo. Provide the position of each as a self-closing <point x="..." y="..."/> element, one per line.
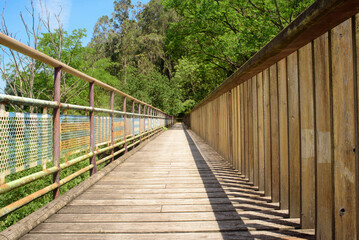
<point x="288" y="119"/>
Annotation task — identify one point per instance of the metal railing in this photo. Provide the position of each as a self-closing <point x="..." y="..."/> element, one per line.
<point x="58" y="141"/>
<point x="288" y="119"/>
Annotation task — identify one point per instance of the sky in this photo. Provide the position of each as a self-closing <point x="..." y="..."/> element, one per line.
<point x="75" y="14"/>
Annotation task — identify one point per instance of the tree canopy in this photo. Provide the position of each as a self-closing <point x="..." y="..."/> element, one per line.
<point x="169" y="53"/>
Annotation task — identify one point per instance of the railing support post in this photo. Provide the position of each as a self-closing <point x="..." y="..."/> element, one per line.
<point x="92" y="128"/>
<point x="133" y="118"/>
<point x="56" y="130"/>
<point x="125" y="123"/>
<point x="139" y="120"/>
<point x="111" y="106"/>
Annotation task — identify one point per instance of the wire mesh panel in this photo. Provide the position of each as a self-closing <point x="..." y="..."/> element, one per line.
<point x="118" y="128"/>
<point x="26" y="141"/>
<point x="146" y="124"/>
<point x="102" y="130"/>
<point x="142" y="124"/>
<point x="129" y="127"/>
<point x="75" y="133"/>
<point x="136" y="127"/>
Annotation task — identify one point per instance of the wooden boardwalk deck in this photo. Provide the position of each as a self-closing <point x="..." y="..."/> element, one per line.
<point x="176" y="187"/>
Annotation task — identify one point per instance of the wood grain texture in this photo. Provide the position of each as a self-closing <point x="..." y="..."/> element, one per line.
<point x="293" y="135"/>
<point x="261" y="162"/>
<point x="308" y="163"/>
<point x="273" y="91"/>
<point x="255" y="133"/>
<point x="323" y="118"/>
<point x="345" y="209"/>
<point x="267" y="138"/>
<point x="283" y="133"/>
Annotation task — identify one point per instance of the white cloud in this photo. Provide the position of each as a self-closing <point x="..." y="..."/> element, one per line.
<point x="53" y="8"/>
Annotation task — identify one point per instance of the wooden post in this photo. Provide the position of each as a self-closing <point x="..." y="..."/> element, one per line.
<point x="308" y="164"/>
<point x="92" y="127"/>
<point x="344" y="132"/>
<point x="112" y="127"/>
<point x="56" y="130"/>
<point x="274" y="132"/>
<point x="230" y="130"/>
<point x="324" y="179"/>
<point x="293" y="135"/>
<point x="261" y="162"/>
<point x="267" y="137"/>
<point x="125" y="123"/>
<point x="283" y="133"/>
<point x="139" y="121"/>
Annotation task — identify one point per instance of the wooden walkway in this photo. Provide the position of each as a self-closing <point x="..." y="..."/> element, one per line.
<point x="176" y="187"/>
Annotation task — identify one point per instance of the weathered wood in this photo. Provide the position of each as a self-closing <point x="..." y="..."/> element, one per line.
<point x="241" y="235"/>
<point x="274" y="132"/>
<point x="267" y="138"/>
<point x="323" y="118"/>
<point x="283" y="133"/>
<point x="345" y="178"/>
<point x="255" y="133"/>
<point x="260" y="111"/>
<point x="308" y="163"/>
<point x="293" y="135"/>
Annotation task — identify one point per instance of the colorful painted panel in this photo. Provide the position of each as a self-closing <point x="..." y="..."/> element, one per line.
<point x="26" y="141"/>
<point x="102" y="130"/>
<point x="118" y="128"/>
<point x="75" y="133"/>
<point x="136" y="127"/>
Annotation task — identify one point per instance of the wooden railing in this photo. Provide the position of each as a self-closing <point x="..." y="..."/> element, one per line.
<point x="57" y="141"/>
<point x="288" y="119"/>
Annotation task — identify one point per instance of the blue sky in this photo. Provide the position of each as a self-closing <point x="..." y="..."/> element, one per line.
<point x="74" y="14"/>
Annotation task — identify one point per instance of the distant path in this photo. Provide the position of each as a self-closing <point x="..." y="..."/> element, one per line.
<point x="176" y="187"/>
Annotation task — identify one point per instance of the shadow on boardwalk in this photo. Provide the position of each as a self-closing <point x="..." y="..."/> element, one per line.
<point x="241" y="210"/>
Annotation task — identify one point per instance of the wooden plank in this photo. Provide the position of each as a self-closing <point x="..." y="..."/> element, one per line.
<point x="250" y="171"/>
<point x="245" y="117"/>
<point x="261" y="162"/>
<point x="308" y="162"/>
<point x="243" y="154"/>
<point x="255" y="133"/>
<point x="161" y="217"/>
<point x="267" y="138"/>
<point x="283" y="133"/>
<point x="324" y="180"/>
<point x="345" y="209"/>
<point x="293" y="135"/>
<point x="274" y="132"/>
<point x="155" y="227"/>
<point x="242" y="235"/>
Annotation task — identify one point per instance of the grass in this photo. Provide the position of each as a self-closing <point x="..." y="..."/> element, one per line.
<point x="21" y="192"/>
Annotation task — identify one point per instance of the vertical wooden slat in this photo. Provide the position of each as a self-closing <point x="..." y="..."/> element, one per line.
<point x="239" y="130"/>
<point x="273" y="89"/>
<point x="344" y="131"/>
<point x="245" y="117"/>
<point x="306" y="90"/>
<point x="283" y="133"/>
<point x="243" y="152"/>
<point x="267" y="137"/>
<point x="293" y="135"/>
<point x="230" y="127"/>
<point x="250" y="130"/>
<point x="255" y="132"/>
<point x="324" y="179"/>
<point x="260" y="132"/>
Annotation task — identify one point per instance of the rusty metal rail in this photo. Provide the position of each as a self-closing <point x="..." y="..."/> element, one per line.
<point x="62" y="140"/>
